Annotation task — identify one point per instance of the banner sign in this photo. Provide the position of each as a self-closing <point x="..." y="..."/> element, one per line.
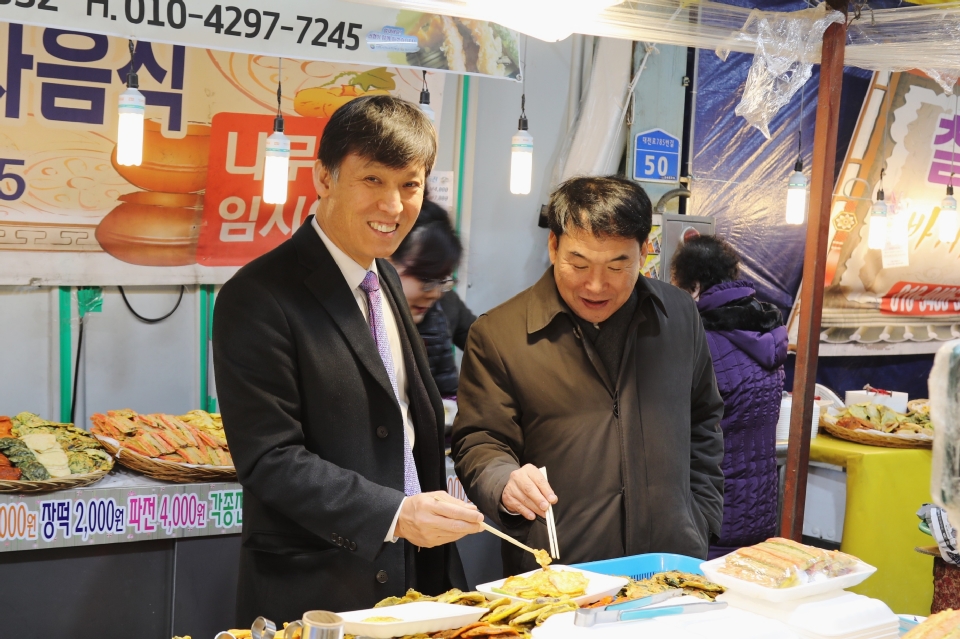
<point x="191" y="212"/>
<point x="909" y="291"/>
<point x="327" y="30"/>
<point x="125" y="507"/>
<point x="130" y="508"/>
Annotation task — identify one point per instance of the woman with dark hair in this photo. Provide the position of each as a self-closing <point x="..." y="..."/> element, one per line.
<point x="748" y="343"/>
<point x="425" y="261"/>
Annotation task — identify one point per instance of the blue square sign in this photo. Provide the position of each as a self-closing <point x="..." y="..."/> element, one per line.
<point x="656" y="157"/>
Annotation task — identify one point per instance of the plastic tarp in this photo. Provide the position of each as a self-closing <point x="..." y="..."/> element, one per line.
<point x="740" y="177"/>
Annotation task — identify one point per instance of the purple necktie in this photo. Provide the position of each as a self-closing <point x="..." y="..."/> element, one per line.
<point x="371" y="286"/>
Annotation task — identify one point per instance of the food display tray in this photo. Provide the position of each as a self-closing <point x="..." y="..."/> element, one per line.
<point x="166" y="470"/>
<point x="418" y="617"/>
<point x="51" y="485"/>
<point x="777" y="595"/>
<point x="599" y="586"/>
<point x="828" y="421"/>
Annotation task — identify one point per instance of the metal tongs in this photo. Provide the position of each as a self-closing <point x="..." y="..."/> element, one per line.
<point x="637" y="609"/>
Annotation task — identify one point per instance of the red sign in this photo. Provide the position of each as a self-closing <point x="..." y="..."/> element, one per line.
<point x="914" y="298"/>
<point x="237" y="226"/>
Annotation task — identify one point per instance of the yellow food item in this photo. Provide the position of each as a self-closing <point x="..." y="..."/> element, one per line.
<point x="943" y="624"/>
<point x="784" y="563"/>
<point x="543" y="558"/>
<point x="49" y="453"/>
<point x="381" y="620"/>
<point x="547" y="583"/>
<point x="694" y="585"/>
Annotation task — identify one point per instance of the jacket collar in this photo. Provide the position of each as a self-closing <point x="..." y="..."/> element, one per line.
<point x="545" y="303"/>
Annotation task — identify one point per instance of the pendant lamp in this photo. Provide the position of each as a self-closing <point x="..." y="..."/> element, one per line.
<point x="277" y="157"/>
<point x="131" y="106"/>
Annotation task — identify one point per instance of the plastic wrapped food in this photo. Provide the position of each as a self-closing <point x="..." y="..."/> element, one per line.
<point x="783" y="563"/>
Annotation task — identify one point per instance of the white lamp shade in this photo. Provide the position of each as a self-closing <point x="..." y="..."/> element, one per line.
<point x="428" y="111"/>
<point x="948" y="223"/>
<point x="877" y="228"/>
<point x="521" y="163"/>
<point x="276" y="168"/>
<point x="797" y="198"/>
<point x="131" y="107"/>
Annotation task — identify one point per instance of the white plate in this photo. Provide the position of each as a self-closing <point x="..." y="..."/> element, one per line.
<point x="776" y="595"/>
<point x="599" y="586"/>
<point x="418" y="617"/>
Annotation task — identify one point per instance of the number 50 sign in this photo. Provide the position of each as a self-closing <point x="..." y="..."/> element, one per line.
<point x="656" y="156"/>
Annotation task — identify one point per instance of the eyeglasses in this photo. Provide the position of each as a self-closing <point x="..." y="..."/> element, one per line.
<point x="446" y="285"/>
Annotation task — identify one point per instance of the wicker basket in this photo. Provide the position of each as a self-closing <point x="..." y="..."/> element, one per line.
<point x="51" y="485"/>
<point x="166" y="470"/>
<point x="876" y="438"/>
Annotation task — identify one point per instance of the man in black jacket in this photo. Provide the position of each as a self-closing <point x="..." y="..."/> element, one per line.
<point x="333" y="420"/>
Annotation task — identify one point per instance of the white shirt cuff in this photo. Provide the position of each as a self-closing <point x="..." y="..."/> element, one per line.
<point x="390" y="538"/>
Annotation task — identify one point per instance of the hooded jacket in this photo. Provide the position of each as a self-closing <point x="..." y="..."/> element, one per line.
<point x="748" y="343"/>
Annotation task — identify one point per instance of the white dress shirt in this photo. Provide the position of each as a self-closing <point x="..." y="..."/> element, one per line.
<point x="354" y="274"/>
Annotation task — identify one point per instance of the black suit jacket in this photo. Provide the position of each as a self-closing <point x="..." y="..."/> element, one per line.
<point x="317" y="437"/>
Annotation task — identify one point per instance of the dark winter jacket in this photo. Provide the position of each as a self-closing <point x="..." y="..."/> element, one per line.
<point x="749" y="346"/>
<point x="634" y="460"/>
<point x="459" y="318"/>
<point x="436" y="336"/>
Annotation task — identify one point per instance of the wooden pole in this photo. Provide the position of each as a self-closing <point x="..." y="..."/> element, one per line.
<point x="814" y="268"/>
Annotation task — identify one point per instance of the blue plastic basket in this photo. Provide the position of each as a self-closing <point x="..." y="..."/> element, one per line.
<point x="644" y="566"/>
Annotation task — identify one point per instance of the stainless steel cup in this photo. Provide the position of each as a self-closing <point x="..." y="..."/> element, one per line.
<point x="317" y="624"/>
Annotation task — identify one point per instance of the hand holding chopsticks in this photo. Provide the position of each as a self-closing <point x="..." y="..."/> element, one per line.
<point x="528" y="493"/>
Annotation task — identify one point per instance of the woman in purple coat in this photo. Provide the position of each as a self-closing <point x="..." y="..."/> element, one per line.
<point x="748" y="343"/>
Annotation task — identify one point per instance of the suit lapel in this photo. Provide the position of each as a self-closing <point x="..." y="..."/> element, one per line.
<point x="427" y="449"/>
<point x="326" y="283"/>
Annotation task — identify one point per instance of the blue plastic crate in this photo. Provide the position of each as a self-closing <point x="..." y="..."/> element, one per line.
<point x="644" y="566"/>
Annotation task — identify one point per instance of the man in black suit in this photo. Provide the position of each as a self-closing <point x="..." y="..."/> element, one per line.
<point x="333" y="418"/>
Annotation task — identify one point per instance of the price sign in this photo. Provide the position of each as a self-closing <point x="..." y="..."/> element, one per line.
<point x="656" y="157"/>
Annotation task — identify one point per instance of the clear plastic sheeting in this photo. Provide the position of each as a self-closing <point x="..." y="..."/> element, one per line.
<point x="906" y="38"/>
<point x="786" y="45"/>
<point x="894" y="39"/>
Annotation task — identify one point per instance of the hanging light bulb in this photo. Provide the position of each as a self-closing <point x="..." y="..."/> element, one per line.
<point x="276" y="165"/>
<point x="131" y="106"/>
<point x="877" y="235"/>
<point x="277" y="158"/>
<point x="948" y="222"/>
<point x="797" y="195"/>
<point x="521" y="158"/>
<point x="425" y="100"/>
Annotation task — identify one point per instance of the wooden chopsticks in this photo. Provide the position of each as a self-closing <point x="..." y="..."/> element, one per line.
<point x="504" y="536"/>
<point x="551" y="527"/>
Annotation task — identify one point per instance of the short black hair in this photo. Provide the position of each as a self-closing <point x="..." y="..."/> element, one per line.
<point x="381" y="128"/>
<point x="604" y="206"/>
<point x="707" y="260"/>
<point x="432" y="250"/>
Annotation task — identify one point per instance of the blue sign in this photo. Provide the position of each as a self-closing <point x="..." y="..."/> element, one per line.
<point x="656" y="157"/>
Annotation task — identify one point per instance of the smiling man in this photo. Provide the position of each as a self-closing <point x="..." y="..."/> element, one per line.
<point x="332" y="416"/>
<point x="605" y="379"/>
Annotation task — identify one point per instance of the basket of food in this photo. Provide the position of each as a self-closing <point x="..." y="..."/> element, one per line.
<point x="780" y="570"/>
<point x="39" y="456"/>
<point x="879" y="425"/>
<point x="184" y="449"/>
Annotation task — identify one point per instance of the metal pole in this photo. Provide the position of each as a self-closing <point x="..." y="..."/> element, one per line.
<point x="814" y="268"/>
